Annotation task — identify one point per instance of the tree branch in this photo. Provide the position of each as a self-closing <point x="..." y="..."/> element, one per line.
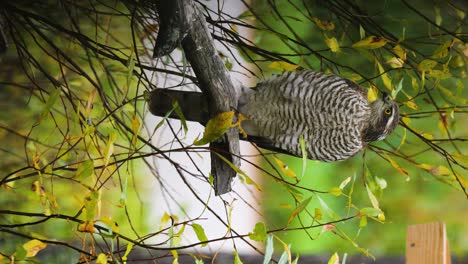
<point x="213" y="78"/>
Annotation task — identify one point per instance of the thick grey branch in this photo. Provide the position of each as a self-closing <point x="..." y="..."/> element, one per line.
<point x="214" y="81"/>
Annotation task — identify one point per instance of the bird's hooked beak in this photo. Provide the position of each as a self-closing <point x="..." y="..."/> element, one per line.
<point x="386" y="97"/>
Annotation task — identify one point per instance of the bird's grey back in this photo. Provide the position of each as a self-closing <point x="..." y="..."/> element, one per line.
<point x="328" y="111"/>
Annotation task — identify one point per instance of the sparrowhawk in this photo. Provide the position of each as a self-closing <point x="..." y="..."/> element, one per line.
<point x="331" y="113"/>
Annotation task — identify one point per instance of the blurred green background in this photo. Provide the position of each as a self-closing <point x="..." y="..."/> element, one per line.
<point x="64" y="135"/>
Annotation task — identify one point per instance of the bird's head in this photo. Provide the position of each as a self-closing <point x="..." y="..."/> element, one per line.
<point x="383" y="120"/>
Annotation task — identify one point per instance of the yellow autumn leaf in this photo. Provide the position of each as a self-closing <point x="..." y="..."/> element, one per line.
<point x="135" y="128"/>
<point x="282" y="66"/>
<point x="372" y="94"/>
<point x="332" y="43"/>
<point x="127" y="251"/>
<point x="33" y="246"/>
<point x="385" y="79"/>
<point x="101" y="259"/>
<point x="460" y="14"/>
<point x="323" y="24"/>
<point x="435" y="170"/>
<point x="395" y="62"/>
<point x="396" y="166"/>
<point x="336" y="191"/>
<point x="318" y="215"/>
<point x="460" y="158"/>
<point x="363" y="221"/>
<point x="371" y="42"/>
<point x="406" y="120"/>
<point x="285" y="169"/>
<point x="443" y="126"/>
<point x="400" y="52"/>
<point x="427" y="135"/>
<point x="175" y="255"/>
<point x="351" y="76"/>
<point x="216" y="127"/>
<point x="403" y="138"/>
<point x="334" y="259"/>
<point x="87" y="227"/>
<point x="107" y="222"/>
<point x="411" y="104"/>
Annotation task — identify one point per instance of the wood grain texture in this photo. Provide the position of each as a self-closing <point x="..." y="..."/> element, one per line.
<point x="427" y="243"/>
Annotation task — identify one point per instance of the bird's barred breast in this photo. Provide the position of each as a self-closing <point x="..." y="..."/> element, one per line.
<point x="322" y="108"/>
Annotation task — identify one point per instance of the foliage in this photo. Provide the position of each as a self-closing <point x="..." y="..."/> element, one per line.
<point x="79" y="154"/>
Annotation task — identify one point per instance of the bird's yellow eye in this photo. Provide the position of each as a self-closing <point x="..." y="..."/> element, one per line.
<point x="388" y="111"/>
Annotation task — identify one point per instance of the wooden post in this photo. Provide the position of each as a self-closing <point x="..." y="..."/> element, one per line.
<point x="427" y="243"/>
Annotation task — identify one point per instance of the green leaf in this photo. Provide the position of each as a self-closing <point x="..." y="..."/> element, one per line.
<point x="268" y="250"/>
<point x="344" y="183"/>
<point x="200" y="232"/>
<point x="109" y="150"/>
<point x="363" y="221"/>
<point x="53" y="96"/>
<point x="259" y="233"/>
<point x="127" y="251"/>
<point x="362" y="32"/>
<point x="398" y="88"/>
<point x="304" y="155"/>
<point x="237" y="259"/>
<point x="216" y="127"/>
<point x="282" y="66"/>
<point x="248" y="180"/>
<point x="146" y="95"/>
<point x="336" y="191"/>
<point x="327" y="209"/>
<point x="246" y="14"/>
<point x="90" y="205"/>
<point x="443" y="50"/>
<point x="20" y="253"/>
<point x="284" y="257"/>
<point x="123" y="194"/>
<point x="438" y="17"/>
<point x="426" y="65"/>
<point x="370" y="211"/>
<point x="293" y="191"/>
<point x="180" y="114"/>
<point x="85" y="170"/>
<point x="130" y="67"/>
<point x="372" y="198"/>
<point x="300" y="207"/>
<point x="296" y="260"/>
<point x="174" y="106"/>
<point x="334" y="259"/>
